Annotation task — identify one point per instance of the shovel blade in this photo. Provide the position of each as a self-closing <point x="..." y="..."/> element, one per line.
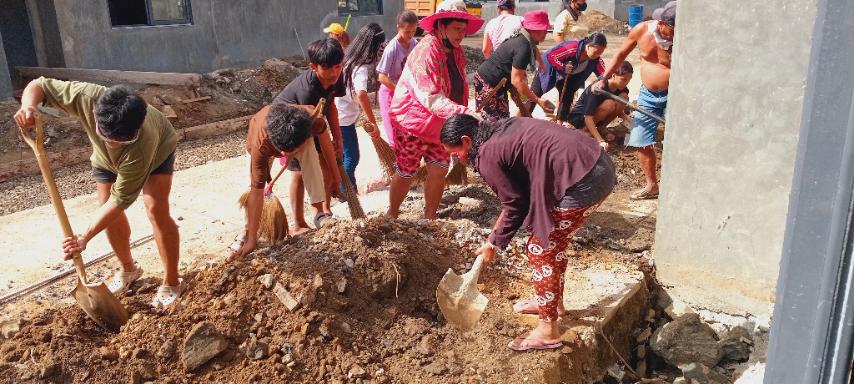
<point x="100" y="305"/>
<point x="460" y="301"/>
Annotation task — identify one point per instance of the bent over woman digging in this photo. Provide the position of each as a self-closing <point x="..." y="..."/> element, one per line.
<point x="548" y="179"/>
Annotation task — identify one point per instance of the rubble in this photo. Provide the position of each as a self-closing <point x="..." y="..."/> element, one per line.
<point x="685" y="340"/>
<point x="10" y="328"/>
<point x="203" y="342"/>
<point x="736" y="344"/>
<point x="267" y="280"/>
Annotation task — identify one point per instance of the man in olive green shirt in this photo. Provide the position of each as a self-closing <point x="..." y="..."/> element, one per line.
<point x="133" y="151"/>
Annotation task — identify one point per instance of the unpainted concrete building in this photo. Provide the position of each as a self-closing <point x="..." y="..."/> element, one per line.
<point x="733" y="125"/>
<point x="170" y="35"/>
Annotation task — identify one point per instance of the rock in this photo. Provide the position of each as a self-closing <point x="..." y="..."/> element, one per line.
<point x="281" y="67"/>
<point x="286" y="298"/>
<point x="202" y="343"/>
<point x="616" y="373"/>
<point x="267" y="280"/>
<point x="695" y="372"/>
<point x="140" y="353"/>
<point x="108" y="354"/>
<point x="677" y="309"/>
<point x="287" y="358"/>
<point x="135" y="378"/>
<point x="167" y="350"/>
<point x="346" y="328"/>
<point x="48" y="369"/>
<point x="736" y="345"/>
<point x="10" y="328"/>
<point x="357" y="372"/>
<point x="436" y="368"/>
<point x="256" y="350"/>
<point x="341" y="285"/>
<point x="349" y="263"/>
<point x="685" y="340"/>
<point x="425" y="346"/>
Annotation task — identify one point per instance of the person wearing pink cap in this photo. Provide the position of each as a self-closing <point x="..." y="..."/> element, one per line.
<point x="431" y="88"/>
<point x="510" y="61"/>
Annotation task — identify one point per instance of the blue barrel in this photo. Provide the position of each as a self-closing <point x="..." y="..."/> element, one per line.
<point x="635" y="14"/>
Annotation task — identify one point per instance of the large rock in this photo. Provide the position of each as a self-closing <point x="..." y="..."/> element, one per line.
<point x="10" y="328"/>
<point x="685" y="340"/>
<point x="736" y="344"/>
<point x="202" y="343"/>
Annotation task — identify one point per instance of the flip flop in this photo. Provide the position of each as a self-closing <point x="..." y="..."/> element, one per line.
<point x="529" y="306"/>
<point x="320" y="217"/>
<point x="167" y="294"/>
<point x="534" y="344"/>
<point x="643" y="195"/>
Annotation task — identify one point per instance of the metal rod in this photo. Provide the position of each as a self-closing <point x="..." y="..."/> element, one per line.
<point x="633" y="106"/>
<point x="50" y="280"/>
<point x="304" y="56"/>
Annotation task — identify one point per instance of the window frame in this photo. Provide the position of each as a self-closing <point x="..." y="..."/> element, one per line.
<point x="188" y="11"/>
<point x="346" y="11"/>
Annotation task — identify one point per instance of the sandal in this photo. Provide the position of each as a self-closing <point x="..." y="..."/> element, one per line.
<point x="519" y="345"/>
<point x="122" y="280"/>
<point x="320" y="217"/>
<point x="529" y="306"/>
<point x="643" y="195"/>
<point x="167" y="294"/>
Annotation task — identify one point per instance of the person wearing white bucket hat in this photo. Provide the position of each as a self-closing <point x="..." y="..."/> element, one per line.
<point x="431" y="88"/>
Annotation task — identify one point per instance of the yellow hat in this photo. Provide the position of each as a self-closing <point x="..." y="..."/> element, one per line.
<point x="334" y="28"/>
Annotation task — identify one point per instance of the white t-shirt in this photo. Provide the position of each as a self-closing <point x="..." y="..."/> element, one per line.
<point x="502" y="27"/>
<point x="348" y="106"/>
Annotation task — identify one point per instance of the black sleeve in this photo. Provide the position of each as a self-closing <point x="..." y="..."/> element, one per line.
<point x="285" y="96"/>
<point x="522" y="55"/>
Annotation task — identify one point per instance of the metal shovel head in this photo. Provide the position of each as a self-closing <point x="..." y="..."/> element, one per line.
<point x="461" y="302"/>
<point x="100" y="304"/>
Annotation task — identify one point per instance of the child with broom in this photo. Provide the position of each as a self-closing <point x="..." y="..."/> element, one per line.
<point x="362" y="54"/>
<point x="321" y="81"/>
<point x="276" y="130"/>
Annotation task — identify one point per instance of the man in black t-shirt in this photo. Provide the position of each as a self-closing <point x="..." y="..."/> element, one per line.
<point x="510" y="61"/>
<point x="593" y="109"/>
<point x="322" y="80"/>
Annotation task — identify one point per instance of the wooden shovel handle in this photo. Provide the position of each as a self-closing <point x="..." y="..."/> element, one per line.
<point x="474" y="272"/>
<point x="37" y="144"/>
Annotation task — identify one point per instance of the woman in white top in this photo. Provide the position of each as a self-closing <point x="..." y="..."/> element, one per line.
<point x="500" y="28"/>
<point x="359" y="59"/>
<point x="569" y="22"/>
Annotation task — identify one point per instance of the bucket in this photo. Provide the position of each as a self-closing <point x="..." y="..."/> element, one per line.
<point x="635" y="14"/>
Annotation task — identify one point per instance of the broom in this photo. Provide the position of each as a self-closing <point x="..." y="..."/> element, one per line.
<point x="384" y="152"/>
<point x="457" y="173"/>
<point x="274" y="222"/>
<point x="563" y="95"/>
<point x="350" y="195"/>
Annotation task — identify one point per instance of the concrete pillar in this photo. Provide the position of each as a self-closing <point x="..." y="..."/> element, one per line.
<point x="736" y="95"/>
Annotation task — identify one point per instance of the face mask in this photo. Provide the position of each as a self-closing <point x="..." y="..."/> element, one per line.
<point x="581" y="7"/>
<point x="447" y="43"/>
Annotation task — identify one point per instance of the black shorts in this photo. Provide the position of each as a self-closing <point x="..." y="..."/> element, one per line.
<point x="577" y="121"/>
<point x="167" y="167"/>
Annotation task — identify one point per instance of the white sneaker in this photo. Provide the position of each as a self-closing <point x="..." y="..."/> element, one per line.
<point x="167" y="294"/>
<point x="122" y="280"/>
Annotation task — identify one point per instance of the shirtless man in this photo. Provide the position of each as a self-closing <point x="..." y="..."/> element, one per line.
<point x="654" y="38"/>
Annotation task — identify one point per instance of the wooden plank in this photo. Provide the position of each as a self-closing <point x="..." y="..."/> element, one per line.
<point x="196" y="99"/>
<point x="214" y="129"/>
<point x="112" y="76"/>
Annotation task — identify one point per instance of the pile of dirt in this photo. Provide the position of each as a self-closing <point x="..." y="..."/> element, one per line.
<point x="255" y="85"/>
<point x="598" y="21"/>
<point x="61" y="132"/>
<point x="474" y="58"/>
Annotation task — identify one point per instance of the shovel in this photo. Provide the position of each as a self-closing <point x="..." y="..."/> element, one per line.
<point x="95" y="299"/>
<point x="459" y="299"/>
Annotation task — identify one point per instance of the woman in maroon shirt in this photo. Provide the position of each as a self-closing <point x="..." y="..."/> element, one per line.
<point x="549" y="179"/>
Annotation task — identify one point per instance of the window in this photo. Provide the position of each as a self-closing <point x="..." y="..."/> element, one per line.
<point x="126" y="13"/>
<point x="360" y="7"/>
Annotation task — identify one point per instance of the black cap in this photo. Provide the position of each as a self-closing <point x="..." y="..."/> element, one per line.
<point x="666" y="14"/>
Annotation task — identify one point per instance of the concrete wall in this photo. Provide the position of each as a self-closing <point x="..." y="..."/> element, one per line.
<point x="224" y="33"/>
<point x="733" y="122"/>
<point x="617" y="9"/>
<point x="5" y="81"/>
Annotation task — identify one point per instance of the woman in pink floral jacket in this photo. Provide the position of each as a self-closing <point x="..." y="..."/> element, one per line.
<point x="432" y="88"/>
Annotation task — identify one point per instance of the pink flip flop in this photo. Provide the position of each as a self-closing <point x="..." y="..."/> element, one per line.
<point x="533" y="344"/>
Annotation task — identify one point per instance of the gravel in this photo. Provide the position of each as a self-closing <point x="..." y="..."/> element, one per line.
<point x="27" y="192"/>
